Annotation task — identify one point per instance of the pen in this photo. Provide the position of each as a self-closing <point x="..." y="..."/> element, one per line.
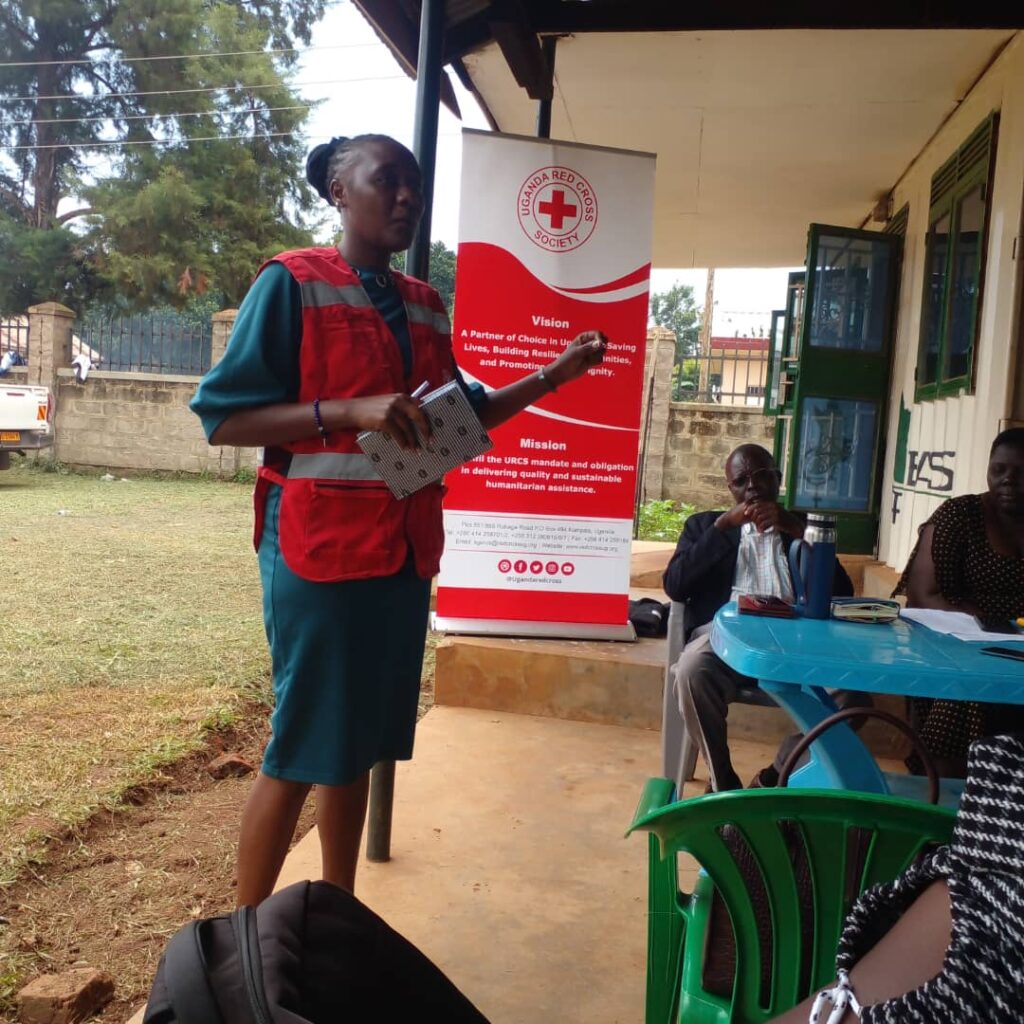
<point x="416" y="394"/>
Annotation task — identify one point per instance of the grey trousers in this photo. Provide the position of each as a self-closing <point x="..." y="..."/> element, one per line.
<point x="705" y="687"/>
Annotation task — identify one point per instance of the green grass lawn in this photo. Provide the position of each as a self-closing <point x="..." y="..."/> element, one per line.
<point x="130" y="622"/>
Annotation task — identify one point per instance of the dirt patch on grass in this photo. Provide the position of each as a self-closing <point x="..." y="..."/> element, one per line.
<point x="111" y="893"/>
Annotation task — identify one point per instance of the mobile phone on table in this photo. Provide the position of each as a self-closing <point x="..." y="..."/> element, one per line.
<point x="997" y="625"/>
<point x="1004" y="652"/>
<point x="764" y="604"/>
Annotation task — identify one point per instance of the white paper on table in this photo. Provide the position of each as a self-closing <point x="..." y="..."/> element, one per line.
<point x="959" y="625"/>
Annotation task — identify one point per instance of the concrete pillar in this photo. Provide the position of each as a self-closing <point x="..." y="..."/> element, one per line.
<point x="223" y="322"/>
<point x="50" y="327"/>
<point x="661" y="349"/>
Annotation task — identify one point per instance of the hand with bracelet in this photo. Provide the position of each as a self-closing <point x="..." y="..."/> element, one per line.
<point x="400" y="415"/>
<point x="584" y="352"/>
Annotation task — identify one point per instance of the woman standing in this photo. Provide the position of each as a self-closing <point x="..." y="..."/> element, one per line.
<point x="970" y="558"/>
<point x="327" y="343"/>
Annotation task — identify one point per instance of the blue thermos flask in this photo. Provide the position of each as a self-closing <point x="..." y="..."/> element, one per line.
<point x="812" y="566"/>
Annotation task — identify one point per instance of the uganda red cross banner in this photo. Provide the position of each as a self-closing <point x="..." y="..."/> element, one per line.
<point x="555" y="238"/>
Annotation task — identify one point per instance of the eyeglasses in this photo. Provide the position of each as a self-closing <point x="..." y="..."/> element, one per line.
<point x="743" y="481"/>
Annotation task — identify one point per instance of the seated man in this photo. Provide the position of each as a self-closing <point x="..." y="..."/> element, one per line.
<point x="720" y="555"/>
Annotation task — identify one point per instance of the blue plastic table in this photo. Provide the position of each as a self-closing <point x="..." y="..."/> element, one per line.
<point x="794" y="659"/>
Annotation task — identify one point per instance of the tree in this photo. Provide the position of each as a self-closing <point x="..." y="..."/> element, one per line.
<point x="48" y="265"/>
<point x="442" y="271"/>
<point x="677" y="311"/>
<point x="167" y="211"/>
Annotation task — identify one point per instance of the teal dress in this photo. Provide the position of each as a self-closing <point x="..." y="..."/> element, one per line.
<point x="346" y="657"/>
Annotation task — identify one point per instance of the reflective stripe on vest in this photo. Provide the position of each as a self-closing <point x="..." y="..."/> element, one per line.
<point x="333" y="466"/>
<point x="425" y="315"/>
<point x="320" y="293"/>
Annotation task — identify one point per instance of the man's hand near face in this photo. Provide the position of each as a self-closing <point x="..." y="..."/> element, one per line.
<point x="765" y="515"/>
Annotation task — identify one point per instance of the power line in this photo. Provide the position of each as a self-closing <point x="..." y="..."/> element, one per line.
<point x="152" y="142"/>
<point x="146" y="117"/>
<point x="184" y="56"/>
<point x="215" y="88"/>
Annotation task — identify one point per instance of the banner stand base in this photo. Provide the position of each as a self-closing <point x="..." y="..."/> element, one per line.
<point x="524" y="628"/>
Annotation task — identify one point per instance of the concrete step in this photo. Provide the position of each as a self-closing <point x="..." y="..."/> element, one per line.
<point x="596" y="681"/>
<point x="579" y="680"/>
<point x="615" y="683"/>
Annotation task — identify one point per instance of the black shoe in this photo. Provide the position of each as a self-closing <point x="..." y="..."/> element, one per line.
<point x="731" y="783"/>
<point x="766" y="778"/>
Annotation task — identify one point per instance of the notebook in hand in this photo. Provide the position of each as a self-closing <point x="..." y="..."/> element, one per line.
<point x="458" y="436"/>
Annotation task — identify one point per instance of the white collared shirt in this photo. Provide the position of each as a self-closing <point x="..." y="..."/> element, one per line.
<point x="762" y="566"/>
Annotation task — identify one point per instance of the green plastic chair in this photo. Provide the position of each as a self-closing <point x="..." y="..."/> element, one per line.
<point x="850" y="841"/>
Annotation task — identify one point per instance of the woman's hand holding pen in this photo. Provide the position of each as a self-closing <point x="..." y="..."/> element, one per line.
<point x="399" y="415"/>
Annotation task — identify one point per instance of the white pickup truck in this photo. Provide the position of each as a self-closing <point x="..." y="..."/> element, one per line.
<point x="26" y="419"/>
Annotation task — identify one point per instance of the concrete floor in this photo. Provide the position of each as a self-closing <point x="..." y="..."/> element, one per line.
<point x="509" y="868"/>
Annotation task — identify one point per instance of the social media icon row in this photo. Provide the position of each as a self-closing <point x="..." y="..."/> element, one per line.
<point x="536" y="567"/>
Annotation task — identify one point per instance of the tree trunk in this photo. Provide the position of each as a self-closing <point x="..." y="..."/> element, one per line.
<point x="703" y="388"/>
<point x="45" y="184"/>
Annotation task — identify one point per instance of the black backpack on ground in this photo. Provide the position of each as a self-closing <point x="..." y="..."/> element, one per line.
<point x="310" y="954"/>
<point x="649" y="617"/>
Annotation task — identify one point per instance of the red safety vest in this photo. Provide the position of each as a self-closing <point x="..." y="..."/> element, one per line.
<point x="338" y="520"/>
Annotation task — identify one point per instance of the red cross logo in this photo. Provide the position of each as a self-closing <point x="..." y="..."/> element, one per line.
<point x="557" y="209"/>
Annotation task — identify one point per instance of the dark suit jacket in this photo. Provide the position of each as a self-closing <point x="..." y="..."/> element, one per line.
<point x="704" y="563"/>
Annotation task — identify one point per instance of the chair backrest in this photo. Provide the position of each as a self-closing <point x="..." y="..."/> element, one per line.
<point x="814" y="852"/>
<point x="678" y="628"/>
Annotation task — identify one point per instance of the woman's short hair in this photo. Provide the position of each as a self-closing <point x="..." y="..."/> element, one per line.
<point x="330" y="159"/>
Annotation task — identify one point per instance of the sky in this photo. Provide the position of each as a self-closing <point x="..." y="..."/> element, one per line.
<point x="370" y="93"/>
<point x="357" y="87"/>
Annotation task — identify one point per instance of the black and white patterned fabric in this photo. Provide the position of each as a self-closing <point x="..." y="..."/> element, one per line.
<point x="982" y="979"/>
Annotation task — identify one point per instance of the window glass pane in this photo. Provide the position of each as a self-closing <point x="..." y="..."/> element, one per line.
<point x="851" y="294"/>
<point x="934" y="289"/>
<point x="783" y="430"/>
<point x="775" y="343"/>
<point x="965" y="278"/>
<point x="795" y="322"/>
<point x="834" y="454"/>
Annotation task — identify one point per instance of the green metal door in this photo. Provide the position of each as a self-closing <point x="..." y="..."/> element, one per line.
<point x="835" y="379"/>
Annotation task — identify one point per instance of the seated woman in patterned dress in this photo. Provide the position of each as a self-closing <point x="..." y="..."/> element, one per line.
<point x="970" y="558"/>
<point x="942" y="944"/>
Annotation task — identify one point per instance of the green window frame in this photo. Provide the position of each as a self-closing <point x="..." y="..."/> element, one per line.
<point x="954" y="273"/>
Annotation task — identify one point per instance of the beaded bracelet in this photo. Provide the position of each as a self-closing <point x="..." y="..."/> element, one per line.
<point x="319" y="421"/>
<point x="841" y="998"/>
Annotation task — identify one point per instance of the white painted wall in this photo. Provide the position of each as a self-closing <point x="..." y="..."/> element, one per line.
<point x="962" y="425"/>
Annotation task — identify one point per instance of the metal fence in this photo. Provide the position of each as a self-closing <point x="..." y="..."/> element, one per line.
<point x="728" y="376"/>
<point x="149" y="343"/>
<point x="14" y="337"/>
